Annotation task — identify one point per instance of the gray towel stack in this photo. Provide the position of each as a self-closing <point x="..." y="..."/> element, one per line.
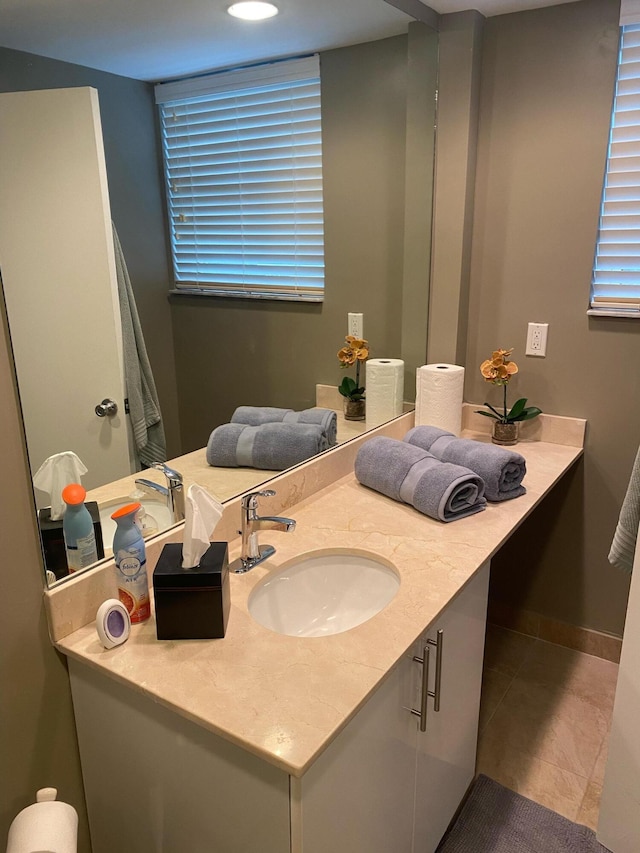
<point x="409" y="474"/>
<point x="271" y="446"/>
<point x="257" y="415"/>
<point x="502" y="470"/>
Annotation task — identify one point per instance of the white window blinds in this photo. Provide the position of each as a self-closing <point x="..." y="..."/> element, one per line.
<point x="243" y="167"/>
<point x="616" y="275"/>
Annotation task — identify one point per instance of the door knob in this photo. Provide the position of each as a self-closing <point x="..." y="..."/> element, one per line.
<point x="107" y="408"/>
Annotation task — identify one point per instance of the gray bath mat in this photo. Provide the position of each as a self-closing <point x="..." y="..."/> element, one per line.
<point x="497" y="820"/>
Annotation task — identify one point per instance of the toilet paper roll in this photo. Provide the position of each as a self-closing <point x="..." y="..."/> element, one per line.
<point x="439" y="389"/>
<point x="51" y="826"/>
<point x="385" y="390"/>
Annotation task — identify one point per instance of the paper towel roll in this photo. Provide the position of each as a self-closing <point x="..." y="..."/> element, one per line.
<point x="385" y="390"/>
<point x="439" y="389"/>
<point x="46" y="825"/>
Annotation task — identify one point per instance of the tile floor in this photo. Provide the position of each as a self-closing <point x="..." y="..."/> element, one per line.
<point x="544" y="722"/>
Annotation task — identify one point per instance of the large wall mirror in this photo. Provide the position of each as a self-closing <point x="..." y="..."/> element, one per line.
<point x="210" y="355"/>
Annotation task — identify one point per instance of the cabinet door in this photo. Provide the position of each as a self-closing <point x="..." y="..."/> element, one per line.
<point x="447" y="749"/>
<point x="358" y="795"/>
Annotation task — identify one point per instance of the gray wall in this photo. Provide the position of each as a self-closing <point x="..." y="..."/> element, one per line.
<point x="232" y="351"/>
<point x="136" y="192"/>
<point x="37" y="733"/>
<point x="547" y="85"/>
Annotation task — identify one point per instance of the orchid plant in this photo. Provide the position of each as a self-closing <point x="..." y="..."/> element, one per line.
<point x="498" y="370"/>
<point x="356" y="351"/>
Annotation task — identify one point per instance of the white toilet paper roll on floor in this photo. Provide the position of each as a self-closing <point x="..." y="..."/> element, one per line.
<point x="439" y="390"/>
<point x="45" y="825"/>
<point x="385" y="390"/>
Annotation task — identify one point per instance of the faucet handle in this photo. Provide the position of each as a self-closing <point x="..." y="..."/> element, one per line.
<point x="250" y="500"/>
<point x="173" y="476"/>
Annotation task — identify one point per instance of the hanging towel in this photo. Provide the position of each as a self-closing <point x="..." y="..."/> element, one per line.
<point x="256" y="415"/>
<point x="272" y="447"/>
<point x="414" y="476"/>
<point x="502" y="470"/>
<point x="623" y="547"/>
<point x="144" y="406"/>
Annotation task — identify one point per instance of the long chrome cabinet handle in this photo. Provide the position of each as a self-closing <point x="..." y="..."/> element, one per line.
<point x="438" y="685"/>
<point x="425" y="692"/>
<point x="424" y="695"/>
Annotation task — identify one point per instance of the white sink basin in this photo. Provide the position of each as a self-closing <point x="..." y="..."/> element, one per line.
<point x="157" y="516"/>
<point x="323" y="594"/>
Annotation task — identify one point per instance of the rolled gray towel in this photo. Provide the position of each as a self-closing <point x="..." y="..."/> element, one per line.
<point x="256" y="415"/>
<point x="502" y="470"/>
<point x="272" y="447"/>
<point x="414" y="476"/>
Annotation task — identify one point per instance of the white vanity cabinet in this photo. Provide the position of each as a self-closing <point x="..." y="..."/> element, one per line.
<point x="384" y="785"/>
<point x="156" y="781"/>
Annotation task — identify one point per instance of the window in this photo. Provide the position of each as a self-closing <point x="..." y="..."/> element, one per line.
<point x="615" y="289"/>
<point x="243" y="168"/>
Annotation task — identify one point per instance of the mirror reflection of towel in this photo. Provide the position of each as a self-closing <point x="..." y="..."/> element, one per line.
<point x="256" y="415"/>
<point x="144" y="405"/>
<point x="271" y="446"/>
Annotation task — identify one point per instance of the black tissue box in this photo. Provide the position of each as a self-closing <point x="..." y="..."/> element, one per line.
<point x="192" y="604"/>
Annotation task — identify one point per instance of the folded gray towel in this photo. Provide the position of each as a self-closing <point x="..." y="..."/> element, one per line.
<point x="273" y="447"/>
<point x="502" y="470"/>
<point x="409" y="474"/>
<point x="256" y="415"/>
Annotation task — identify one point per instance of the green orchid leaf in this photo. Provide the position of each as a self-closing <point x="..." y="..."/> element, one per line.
<point x="347" y="387"/>
<point x="498" y="414"/>
<point x="487" y="414"/>
<point x="531" y="412"/>
<point x="517" y="408"/>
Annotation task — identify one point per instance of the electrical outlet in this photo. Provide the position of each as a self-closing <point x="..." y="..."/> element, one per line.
<point x="356" y="326"/>
<point x="537" y="339"/>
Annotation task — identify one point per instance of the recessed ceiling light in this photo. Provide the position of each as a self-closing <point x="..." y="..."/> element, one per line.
<point x="253" y="10"/>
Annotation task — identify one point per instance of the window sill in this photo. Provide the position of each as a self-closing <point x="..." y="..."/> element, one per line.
<point x="246" y="294"/>
<point x="629" y="314"/>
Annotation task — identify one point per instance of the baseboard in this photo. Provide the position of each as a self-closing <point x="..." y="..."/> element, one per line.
<point x="596" y="643"/>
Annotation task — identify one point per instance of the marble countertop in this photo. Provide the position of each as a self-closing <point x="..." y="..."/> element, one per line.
<point x="286" y="698"/>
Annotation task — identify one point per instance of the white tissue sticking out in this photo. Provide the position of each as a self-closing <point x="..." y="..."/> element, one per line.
<point x="201" y="514"/>
<point x="54" y="474"/>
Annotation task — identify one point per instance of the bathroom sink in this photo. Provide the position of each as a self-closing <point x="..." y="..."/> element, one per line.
<point x="323" y="594"/>
<point x="157" y="516"/>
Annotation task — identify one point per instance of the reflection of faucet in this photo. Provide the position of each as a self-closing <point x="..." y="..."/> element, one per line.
<point x="173" y="491"/>
<point x="252" y="553"/>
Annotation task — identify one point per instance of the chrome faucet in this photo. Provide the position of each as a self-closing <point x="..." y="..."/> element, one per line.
<point x="173" y="491"/>
<point x="252" y="552"/>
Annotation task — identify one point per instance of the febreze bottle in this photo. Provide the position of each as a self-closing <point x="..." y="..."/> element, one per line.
<point x="131" y="563"/>
<point x="77" y="529"/>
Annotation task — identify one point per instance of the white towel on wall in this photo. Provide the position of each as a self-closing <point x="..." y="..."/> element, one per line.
<point x="623" y="546"/>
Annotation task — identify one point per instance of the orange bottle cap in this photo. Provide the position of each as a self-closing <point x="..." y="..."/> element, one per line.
<point x="74" y="494"/>
<point x="126" y="510"/>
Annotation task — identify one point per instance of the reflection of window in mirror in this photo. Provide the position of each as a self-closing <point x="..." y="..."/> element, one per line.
<point x="243" y="168"/>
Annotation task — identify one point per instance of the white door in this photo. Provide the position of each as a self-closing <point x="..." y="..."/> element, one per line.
<point x="447" y="749"/>
<point x="58" y="272"/>
<point x="619" y="820"/>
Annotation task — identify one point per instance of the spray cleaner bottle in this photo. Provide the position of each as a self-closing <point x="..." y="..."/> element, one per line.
<point x="131" y="563"/>
<point x="77" y="529"/>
